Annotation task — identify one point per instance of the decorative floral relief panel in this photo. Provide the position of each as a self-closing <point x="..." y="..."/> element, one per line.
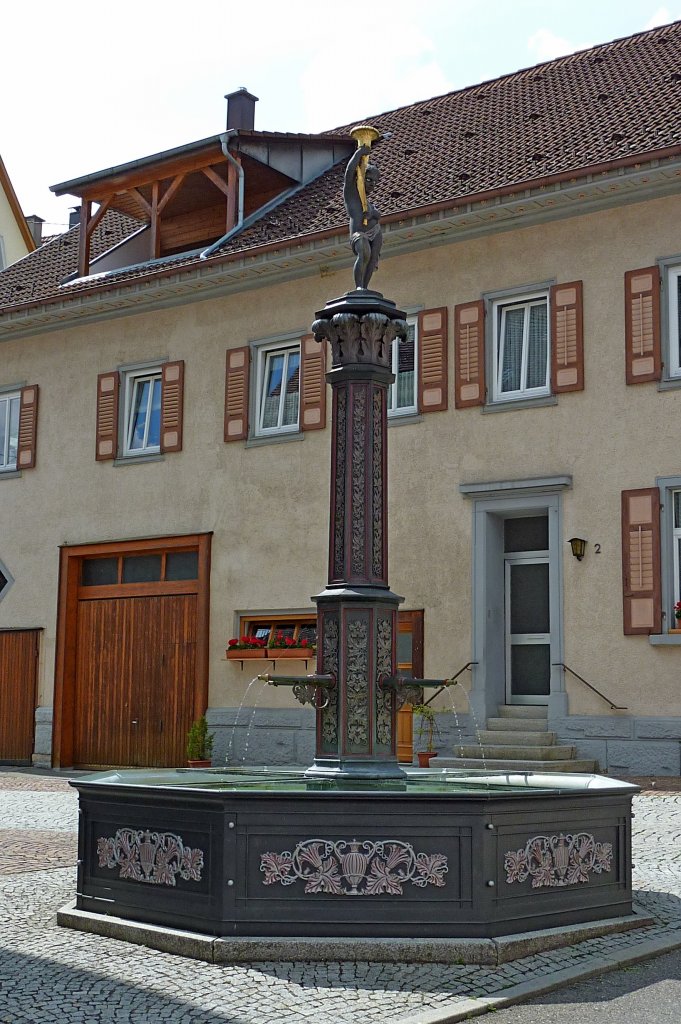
<point x="558" y="860"/>
<point x="153" y="857"/>
<point x="354" y="867"/>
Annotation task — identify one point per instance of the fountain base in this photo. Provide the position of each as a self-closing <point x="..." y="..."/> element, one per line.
<point x="266" y="853"/>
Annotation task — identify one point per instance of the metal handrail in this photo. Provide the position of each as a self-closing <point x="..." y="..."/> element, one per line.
<point x="452" y="679"/>
<point x="613" y="707"/>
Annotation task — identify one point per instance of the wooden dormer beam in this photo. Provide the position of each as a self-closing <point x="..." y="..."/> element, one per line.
<point x="216" y="179"/>
<point x="87" y="226"/>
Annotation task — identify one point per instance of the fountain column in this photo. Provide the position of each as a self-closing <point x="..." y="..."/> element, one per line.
<point x="357" y="612"/>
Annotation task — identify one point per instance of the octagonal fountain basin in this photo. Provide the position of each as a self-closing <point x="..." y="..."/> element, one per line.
<point x="265" y="852"/>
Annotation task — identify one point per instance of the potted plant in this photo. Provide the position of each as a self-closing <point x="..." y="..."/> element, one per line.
<point x="199" y="744"/>
<point x="242" y="648"/>
<point x="677" y="618"/>
<point x="282" y="646"/>
<point x="427" y="728"/>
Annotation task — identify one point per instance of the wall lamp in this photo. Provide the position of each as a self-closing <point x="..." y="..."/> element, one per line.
<point x="578" y="545"/>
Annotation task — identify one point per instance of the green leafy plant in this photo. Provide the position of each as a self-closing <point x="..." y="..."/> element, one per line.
<point x="427" y="725"/>
<point x="199" y="741"/>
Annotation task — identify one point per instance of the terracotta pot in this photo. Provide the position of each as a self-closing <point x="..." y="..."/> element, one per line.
<point x="424" y="757"/>
<point x="200" y="764"/>
<point x="245" y="653"/>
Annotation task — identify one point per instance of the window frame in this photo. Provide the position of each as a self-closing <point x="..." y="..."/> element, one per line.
<point x="670" y="556"/>
<point x="10" y="395"/>
<point x="672" y="274"/>
<point x="264" y="353"/>
<point x="131" y="378"/>
<point x="499" y="304"/>
<point x="394" y="411"/>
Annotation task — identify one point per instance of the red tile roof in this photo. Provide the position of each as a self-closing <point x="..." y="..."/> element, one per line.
<point x="618" y="103"/>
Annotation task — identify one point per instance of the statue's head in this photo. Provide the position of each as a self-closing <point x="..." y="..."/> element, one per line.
<point x="371" y="177"/>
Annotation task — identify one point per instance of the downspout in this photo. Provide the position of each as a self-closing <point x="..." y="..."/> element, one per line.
<point x="224" y="141"/>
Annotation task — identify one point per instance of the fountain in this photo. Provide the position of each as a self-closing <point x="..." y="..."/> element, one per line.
<point x="354" y="846"/>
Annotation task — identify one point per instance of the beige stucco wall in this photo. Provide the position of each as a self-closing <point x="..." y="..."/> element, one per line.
<point x="267" y="506"/>
<point x="13" y="244"/>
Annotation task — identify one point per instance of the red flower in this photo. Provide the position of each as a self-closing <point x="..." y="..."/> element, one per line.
<point x="303" y="643"/>
<point x="289" y="641"/>
<point x="233" y="642"/>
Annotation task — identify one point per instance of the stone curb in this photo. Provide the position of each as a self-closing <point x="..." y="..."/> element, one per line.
<point x="467" y="1008"/>
<point x="255" y="949"/>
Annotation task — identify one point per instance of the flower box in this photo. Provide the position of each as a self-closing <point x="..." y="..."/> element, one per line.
<point x="302" y="653"/>
<point x="245" y="653"/>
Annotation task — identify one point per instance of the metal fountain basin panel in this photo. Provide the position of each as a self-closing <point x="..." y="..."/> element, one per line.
<point x="262" y="852"/>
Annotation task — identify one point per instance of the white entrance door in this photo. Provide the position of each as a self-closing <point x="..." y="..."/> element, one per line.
<point x="527" y="628"/>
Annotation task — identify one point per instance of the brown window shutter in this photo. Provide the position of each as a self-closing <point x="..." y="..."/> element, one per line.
<point x="432" y="358"/>
<point x="236" y="394"/>
<point x="641" y="576"/>
<point x="469" y="348"/>
<point x="642" y="325"/>
<point x="28" y="427"/>
<point x="567" y="338"/>
<point x="172" y="403"/>
<point x="312" y="384"/>
<point x="107" y="416"/>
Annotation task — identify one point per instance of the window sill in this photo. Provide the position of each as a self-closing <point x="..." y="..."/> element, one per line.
<point x="520" y="403"/>
<point x="397" y="420"/>
<point x="257" y="442"/>
<point x="10" y="474"/>
<point x="134" y="460"/>
<point x="669" y="384"/>
<point x="665" y="639"/>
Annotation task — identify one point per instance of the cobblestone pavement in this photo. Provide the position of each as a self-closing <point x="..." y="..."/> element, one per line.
<point x="48" y="974"/>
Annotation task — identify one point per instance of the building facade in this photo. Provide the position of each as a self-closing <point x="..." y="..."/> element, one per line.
<point x="172" y="492"/>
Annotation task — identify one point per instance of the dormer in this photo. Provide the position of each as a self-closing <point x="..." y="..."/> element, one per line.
<point x="197" y="196"/>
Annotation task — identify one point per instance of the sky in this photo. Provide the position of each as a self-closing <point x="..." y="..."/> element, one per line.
<point x="84" y="87"/>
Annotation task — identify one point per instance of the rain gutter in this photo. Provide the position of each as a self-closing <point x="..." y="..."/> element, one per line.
<point x="224" y="142"/>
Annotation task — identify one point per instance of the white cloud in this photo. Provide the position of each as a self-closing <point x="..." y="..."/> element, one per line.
<point x="546" y="45"/>
<point x="662" y="16"/>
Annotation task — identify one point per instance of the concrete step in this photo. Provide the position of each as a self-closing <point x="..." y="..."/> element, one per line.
<point x="516" y="737"/>
<point x="517" y="724"/>
<point x="522" y="711"/>
<point x="515" y="753"/>
<point x="494" y="764"/>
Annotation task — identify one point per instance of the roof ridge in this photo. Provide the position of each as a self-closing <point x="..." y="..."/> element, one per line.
<point x="555" y="61"/>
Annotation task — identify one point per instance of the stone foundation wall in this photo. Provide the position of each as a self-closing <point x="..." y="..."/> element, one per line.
<point x="626" y="745"/>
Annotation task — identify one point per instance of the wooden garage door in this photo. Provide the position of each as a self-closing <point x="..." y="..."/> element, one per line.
<point x="135" y="672"/>
<point x="18" y="692"/>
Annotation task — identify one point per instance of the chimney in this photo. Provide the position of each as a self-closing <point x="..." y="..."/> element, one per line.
<point x="241" y="109"/>
<point x="74" y="217"/>
<point x="35" y="226"/>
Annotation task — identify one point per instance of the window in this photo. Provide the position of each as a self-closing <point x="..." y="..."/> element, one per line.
<point x="280" y="628"/>
<point x="674" y="321"/>
<point x="142" y="412"/>
<point x="278" y="389"/>
<point x="521" y="362"/>
<point x="402" y="396"/>
<point x="9" y="430"/>
<point x="163" y="566"/>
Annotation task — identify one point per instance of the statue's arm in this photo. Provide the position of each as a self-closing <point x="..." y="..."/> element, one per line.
<point x="353" y="203"/>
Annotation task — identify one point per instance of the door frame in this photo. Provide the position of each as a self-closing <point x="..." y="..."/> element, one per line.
<point x="522" y="558"/>
<point x="493" y="503"/>
<point x="70" y="560"/>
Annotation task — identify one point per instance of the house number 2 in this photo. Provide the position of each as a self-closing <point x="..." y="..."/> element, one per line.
<point x="597" y="549"/>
